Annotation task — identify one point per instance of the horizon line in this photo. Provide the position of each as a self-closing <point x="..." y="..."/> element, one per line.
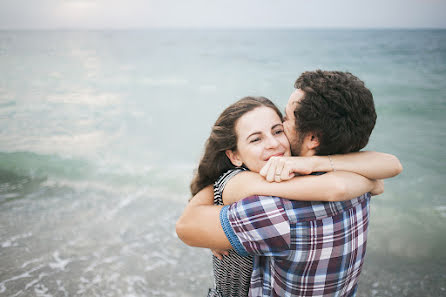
<point x="212" y="28"/>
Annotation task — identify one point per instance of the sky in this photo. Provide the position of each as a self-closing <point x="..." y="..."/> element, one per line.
<point x="127" y="14"/>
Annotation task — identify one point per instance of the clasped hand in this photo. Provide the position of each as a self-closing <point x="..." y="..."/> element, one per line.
<point x="279" y="169"/>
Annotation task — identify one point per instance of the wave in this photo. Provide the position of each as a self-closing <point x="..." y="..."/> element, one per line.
<point x="22" y="173"/>
<point x="41" y="166"/>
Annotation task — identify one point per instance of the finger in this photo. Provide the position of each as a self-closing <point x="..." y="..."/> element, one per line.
<point x="265" y="168"/>
<point x="279" y="170"/>
<point x="287" y="172"/>
<point x="217" y="254"/>
<point x="270" y="176"/>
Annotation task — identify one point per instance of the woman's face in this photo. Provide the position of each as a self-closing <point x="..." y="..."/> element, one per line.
<point x="260" y="136"/>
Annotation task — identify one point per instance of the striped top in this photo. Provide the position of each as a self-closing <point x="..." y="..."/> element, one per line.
<point x="232" y="275"/>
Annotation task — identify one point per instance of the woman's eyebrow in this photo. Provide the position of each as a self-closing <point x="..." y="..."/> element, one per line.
<point x="254" y="133"/>
<point x="279" y="124"/>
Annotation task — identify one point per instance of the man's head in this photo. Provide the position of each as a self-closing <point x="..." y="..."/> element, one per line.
<point x="330" y="112"/>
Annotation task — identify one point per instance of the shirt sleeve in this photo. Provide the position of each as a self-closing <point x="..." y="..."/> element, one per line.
<point x="257" y="225"/>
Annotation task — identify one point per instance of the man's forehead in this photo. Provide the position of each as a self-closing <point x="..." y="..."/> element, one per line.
<point x="295" y="99"/>
<point x="294" y="103"/>
<point x="291" y="106"/>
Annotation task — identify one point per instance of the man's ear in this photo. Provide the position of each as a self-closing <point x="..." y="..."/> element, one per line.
<point x="234" y="158"/>
<point x="312" y="141"/>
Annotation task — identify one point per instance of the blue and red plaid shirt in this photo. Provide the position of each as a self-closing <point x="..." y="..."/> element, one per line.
<point x="301" y="248"/>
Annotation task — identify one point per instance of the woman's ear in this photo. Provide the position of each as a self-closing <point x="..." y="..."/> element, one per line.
<point x="234" y="158"/>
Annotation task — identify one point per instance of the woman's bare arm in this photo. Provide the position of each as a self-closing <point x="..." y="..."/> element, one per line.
<point x="334" y="186"/>
<point x="373" y="165"/>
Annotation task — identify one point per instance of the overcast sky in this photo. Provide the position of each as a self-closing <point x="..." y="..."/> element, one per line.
<point x="98" y="14"/>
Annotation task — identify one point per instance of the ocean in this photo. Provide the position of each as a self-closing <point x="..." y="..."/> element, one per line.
<point x="100" y="132"/>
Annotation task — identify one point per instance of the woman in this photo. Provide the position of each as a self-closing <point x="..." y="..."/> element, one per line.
<point x="247" y="135"/>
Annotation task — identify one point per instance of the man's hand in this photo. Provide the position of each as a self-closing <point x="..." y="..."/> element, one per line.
<point x="279" y="169"/>
<point x="219" y="253"/>
<point x="378" y="188"/>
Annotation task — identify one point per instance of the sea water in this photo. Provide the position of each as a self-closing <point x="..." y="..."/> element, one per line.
<point x="100" y="132"/>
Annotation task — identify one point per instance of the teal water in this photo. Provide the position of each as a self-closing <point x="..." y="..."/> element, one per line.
<point x="100" y="132"/>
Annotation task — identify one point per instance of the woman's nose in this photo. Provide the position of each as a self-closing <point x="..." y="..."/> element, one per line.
<point x="271" y="142"/>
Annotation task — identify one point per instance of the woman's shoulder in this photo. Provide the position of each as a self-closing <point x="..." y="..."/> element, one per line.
<point x="220" y="184"/>
<point x="228" y="175"/>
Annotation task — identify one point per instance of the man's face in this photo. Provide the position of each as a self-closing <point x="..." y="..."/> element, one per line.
<point x="289" y="124"/>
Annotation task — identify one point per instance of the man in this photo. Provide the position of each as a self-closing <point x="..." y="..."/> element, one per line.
<point x="301" y="248"/>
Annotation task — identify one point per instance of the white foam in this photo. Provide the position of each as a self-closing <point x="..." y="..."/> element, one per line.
<point x="13" y="240"/>
<point x="60" y="263"/>
<point x="31" y="261"/>
<point x="41" y="291"/>
<point x="154" y="265"/>
<point x="124" y="202"/>
<point x="30" y="284"/>
<point x="110" y="259"/>
<point x="132" y="281"/>
<point x="85" y="284"/>
<point x="61" y="288"/>
<point x="17" y="294"/>
<point x="26" y="274"/>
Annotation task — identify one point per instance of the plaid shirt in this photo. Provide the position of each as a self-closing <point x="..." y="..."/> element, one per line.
<point x="313" y="248"/>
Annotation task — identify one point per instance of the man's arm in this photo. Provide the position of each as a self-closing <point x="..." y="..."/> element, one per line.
<point x="199" y="225"/>
<point x="258" y="225"/>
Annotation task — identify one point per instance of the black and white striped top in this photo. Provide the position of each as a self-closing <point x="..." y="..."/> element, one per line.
<point x="232" y="275"/>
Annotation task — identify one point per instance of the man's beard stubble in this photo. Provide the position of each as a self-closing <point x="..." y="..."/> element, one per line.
<point x="296" y="145"/>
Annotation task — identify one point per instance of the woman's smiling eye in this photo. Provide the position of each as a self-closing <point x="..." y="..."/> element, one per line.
<point x="254" y="140"/>
<point x="280" y="131"/>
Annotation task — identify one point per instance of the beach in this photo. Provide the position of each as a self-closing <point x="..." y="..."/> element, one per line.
<point x="101" y="132"/>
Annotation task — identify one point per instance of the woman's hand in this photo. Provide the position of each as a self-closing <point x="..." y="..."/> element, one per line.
<point x="219" y="253"/>
<point x="378" y="188"/>
<point x="279" y="169"/>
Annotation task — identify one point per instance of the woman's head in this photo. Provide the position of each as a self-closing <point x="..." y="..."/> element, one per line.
<point x="247" y="133"/>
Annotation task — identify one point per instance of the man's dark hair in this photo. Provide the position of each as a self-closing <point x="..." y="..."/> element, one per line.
<point x="338" y="108"/>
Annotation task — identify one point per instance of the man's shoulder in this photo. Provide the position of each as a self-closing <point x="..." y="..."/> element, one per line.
<point x="256" y="204"/>
<point x="301" y="211"/>
<point x="296" y="211"/>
